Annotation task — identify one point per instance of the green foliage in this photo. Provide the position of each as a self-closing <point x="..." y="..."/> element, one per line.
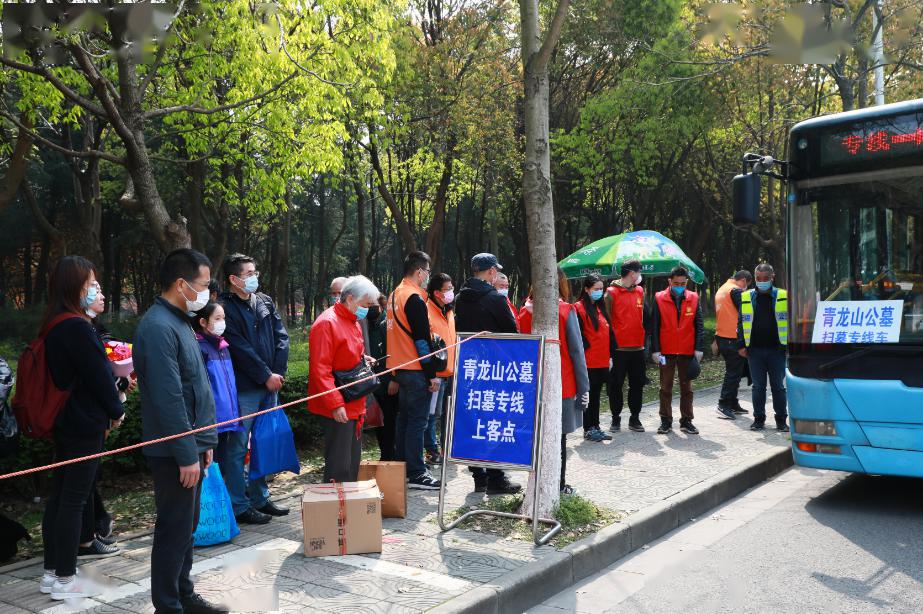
<point x="575" y="511"/>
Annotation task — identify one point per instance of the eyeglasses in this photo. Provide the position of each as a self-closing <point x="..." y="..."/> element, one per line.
<point x="250" y="274"/>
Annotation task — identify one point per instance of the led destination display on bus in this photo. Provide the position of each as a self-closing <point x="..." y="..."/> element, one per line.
<point x="890" y="138"/>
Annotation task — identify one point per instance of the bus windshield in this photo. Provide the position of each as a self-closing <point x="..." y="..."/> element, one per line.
<point x="857" y="254"/>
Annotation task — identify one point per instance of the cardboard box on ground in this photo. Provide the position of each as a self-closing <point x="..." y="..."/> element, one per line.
<point x="343" y="518"/>
<point x="391" y="479"/>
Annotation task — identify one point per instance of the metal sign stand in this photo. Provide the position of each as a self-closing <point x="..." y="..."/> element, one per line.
<point x="537" y="537"/>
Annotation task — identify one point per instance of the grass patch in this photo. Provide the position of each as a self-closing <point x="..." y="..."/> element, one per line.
<point x="579" y="518"/>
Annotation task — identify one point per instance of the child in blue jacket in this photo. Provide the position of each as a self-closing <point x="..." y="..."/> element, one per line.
<point x="209" y="326"/>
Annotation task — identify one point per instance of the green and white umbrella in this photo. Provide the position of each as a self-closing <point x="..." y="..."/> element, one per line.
<point x="658" y="256"/>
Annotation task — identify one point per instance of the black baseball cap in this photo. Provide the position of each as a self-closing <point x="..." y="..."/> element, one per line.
<point x="484" y="261"/>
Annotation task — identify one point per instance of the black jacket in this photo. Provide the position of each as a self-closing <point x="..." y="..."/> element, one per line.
<point x="258" y="339"/>
<point x="480" y="307"/>
<point x="76" y="357"/>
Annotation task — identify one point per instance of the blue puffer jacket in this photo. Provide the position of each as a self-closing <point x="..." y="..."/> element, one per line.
<point x="221" y="377"/>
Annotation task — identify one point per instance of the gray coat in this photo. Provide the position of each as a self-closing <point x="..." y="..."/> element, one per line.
<point x="175" y="393"/>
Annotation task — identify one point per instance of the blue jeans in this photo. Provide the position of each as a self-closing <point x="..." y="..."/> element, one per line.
<point x="232" y="449"/>
<point x="412" y="417"/>
<point x="431" y="440"/>
<point x="771" y="362"/>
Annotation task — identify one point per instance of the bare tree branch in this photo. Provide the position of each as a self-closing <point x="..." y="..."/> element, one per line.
<point x="70" y="94"/>
<point x="188" y="108"/>
<point x="540" y="60"/>
<point x="89" y="153"/>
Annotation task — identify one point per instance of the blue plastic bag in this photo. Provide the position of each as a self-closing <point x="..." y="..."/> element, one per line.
<point x="272" y="446"/>
<point x="217" y="524"/>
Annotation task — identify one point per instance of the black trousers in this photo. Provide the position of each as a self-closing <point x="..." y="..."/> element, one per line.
<point x="563" y="460"/>
<point x="734" y="365"/>
<point x="95" y="517"/>
<point x="385" y="434"/>
<point x="630" y="364"/>
<point x="177" y="516"/>
<point x="71" y="486"/>
<point x="342" y="451"/>
<point x="487" y="476"/>
<point x="598" y="378"/>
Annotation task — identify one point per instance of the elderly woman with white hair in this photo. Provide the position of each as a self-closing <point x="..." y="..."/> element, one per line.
<point x="336" y="345"/>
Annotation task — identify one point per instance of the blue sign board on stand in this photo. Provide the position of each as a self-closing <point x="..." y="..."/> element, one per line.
<point x="495" y="403"/>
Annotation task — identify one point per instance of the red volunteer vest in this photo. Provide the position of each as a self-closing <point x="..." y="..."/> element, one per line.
<point x="568" y="382"/>
<point x="677" y="337"/>
<point x="627" y="316"/>
<point x="597" y="355"/>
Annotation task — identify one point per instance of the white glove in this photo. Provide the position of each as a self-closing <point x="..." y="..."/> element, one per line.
<point x="655" y="356"/>
<point x="585" y="399"/>
<point x="698" y="355"/>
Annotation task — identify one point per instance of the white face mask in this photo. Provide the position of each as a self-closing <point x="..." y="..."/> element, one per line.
<point x="201" y="299"/>
<point x="640" y="277"/>
<point x="218" y="328"/>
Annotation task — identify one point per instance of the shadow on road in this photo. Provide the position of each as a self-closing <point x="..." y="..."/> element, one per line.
<point x="883" y="515"/>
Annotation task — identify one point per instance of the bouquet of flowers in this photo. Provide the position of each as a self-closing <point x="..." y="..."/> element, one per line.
<point x="119" y="355"/>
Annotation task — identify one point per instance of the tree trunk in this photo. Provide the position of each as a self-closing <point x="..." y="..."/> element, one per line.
<point x="168" y="233"/>
<point x="436" y="232"/>
<point x="19" y="161"/>
<point x="536" y="187"/>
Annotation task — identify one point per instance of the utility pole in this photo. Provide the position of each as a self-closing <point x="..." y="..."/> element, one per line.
<point x="878" y="53"/>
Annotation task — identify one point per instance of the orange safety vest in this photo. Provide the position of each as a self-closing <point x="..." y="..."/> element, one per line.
<point x="400" y="346"/>
<point x="443" y="324"/>
<point x="725" y="311"/>
<point x="677" y="337"/>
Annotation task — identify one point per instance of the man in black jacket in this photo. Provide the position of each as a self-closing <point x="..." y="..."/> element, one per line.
<point x="480" y="307"/>
<point x="259" y="352"/>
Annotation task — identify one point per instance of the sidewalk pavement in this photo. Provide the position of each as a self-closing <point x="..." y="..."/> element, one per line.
<point x="657" y="481"/>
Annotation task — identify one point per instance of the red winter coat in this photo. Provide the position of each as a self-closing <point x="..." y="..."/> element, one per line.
<point x="335" y="344"/>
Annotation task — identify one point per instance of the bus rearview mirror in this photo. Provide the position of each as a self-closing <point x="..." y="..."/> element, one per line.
<point x="745" y="208"/>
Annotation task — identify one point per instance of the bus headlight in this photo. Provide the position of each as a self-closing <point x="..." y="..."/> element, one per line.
<point x="815" y="427"/>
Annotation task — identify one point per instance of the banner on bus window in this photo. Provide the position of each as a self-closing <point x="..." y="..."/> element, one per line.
<point x="858" y="322"/>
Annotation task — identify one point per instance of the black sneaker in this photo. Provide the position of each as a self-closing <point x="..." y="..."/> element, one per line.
<point x="758" y="425"/>
<point x="97" y="550"/>
<point x="196" y="604"/>
<point x="616" y="424"/>
<point x="252" y="516"/>
<point x="737" y="409"/>
<point x="480" y="487"/>
<point x="726" y="413"/>
<point x="781" y="426"/>
<point x="634" y="424"/>
<point x="424" y="482"/>
<point x="271" y="509"/>
<point x="665" y="426"/>
<point x="688" y="428"/>
<point x="503" y="488"/>
<point x="107" y="540"/>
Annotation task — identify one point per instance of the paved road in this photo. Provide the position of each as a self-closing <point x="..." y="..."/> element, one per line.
<point x="807" y="541"/>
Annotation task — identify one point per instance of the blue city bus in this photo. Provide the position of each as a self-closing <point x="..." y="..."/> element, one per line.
<point x="855" y="271"/>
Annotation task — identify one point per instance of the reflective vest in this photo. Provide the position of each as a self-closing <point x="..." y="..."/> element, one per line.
<point x="627" y="316"/>
<point x="597" y="354"/>
<point x="725" y="311"/>
<point x="443" y="324"/>
<point x="780" y="298"/>
<point x="677" y="333"/>
<point x="401" y="348"/>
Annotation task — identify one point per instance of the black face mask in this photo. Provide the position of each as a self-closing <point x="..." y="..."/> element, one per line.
<point x="374" y="313"/>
